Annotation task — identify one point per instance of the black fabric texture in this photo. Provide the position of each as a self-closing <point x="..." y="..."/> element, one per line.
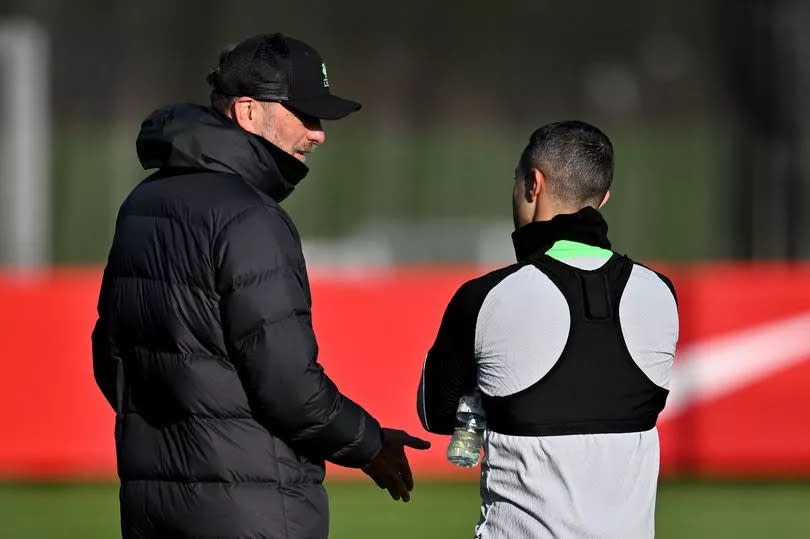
<point x="595" y="386"/>
<point x="187" y="136"/>
<point x="257" y="67"/>
<point x="596" y="296"/>
<point x="275" y="67"/>
<point x="205" y="349"/>
<point x="586" y="226"/>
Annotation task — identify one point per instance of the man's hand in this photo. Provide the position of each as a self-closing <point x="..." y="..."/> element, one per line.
<point x="390" y="469"/>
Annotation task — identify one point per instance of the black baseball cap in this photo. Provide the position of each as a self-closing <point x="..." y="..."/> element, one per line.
<point x="274" y="67"/>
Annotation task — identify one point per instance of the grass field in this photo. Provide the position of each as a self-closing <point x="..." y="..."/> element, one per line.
<point x="686" y="509"/>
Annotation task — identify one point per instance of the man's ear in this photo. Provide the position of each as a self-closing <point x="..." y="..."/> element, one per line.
<point x="243" y="112"/>
<point x="604" y="200"/>
<point x="535" y="184"/>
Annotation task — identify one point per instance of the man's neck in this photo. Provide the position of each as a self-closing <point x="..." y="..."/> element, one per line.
<point x="585" y="226"/>
<point x="547" y="212"/>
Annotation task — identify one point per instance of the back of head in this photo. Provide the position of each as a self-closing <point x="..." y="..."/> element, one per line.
<point x="576" y="159"/>
<point x="256" y="67"/>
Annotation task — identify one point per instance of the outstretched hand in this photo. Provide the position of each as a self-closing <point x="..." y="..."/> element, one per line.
<point x="390" y="469"/>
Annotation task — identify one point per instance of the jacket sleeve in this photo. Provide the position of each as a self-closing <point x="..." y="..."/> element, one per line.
<point x="268" y="330"/>
<point x="107" y="368"/>
<point x="450" y="366"/>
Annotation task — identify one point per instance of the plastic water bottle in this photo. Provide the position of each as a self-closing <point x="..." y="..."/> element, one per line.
<point x="465" y="445"/>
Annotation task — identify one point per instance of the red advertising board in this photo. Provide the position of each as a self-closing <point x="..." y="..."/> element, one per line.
<point x="740" y="401"/>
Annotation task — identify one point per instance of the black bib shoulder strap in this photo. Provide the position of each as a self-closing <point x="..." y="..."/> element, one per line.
<point x="599" y="290"/>
<point x="595" y="386"/>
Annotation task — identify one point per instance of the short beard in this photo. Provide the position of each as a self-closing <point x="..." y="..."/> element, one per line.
<point x="307" y="147"/>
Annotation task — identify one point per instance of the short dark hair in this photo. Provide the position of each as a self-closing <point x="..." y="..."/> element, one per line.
<point x="576" y="159"/>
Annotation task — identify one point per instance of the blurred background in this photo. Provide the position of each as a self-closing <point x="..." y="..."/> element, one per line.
<point x="708" y="107"/>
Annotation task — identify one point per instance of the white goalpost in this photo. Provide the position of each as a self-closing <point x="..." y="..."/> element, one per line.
<point x="25" y="160"/>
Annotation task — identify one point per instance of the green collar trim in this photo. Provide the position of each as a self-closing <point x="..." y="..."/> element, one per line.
<point x="565" y="249"/>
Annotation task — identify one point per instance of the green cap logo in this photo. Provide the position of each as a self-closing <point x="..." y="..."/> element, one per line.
<point x="325" y="76"/>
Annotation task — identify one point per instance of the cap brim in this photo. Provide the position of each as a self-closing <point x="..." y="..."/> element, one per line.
<point x="327" y="107"/>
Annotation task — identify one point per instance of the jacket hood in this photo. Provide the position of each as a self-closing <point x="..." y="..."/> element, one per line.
<point x="191" y="136"/>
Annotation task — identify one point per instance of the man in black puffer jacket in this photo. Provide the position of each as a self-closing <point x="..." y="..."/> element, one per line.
<point x="204" y="344"/>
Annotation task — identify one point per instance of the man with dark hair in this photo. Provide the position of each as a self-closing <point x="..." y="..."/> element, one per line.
<point x="571" y="350"/>
<point x="577" y="159"/>
<point x="204" y="344"/>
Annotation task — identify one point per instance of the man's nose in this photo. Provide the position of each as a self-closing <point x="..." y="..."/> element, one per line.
<point x="316" y="136"/>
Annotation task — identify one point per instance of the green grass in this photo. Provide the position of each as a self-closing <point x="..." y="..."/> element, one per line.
<point x="686" y="509"/>
<point x="738" y="510"/>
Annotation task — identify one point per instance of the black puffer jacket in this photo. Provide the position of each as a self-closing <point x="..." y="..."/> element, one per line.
<point x="204" y="344"/>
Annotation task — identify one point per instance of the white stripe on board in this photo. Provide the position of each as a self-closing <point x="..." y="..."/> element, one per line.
<point x="713" y="367"/>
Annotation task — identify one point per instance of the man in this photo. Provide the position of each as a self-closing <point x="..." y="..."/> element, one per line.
<point x="204" y="344"/>
<point x="571" y="349"/>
